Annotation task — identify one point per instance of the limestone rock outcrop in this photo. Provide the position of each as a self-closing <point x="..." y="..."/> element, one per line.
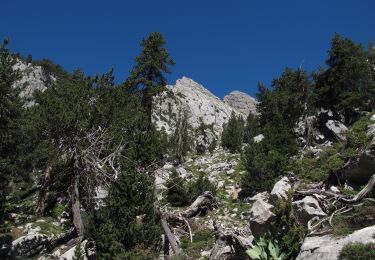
<point x="188" y="100"/>
<point x="241" y="102"/>
<point x="261" y="216"/>
<point x="33" y="77"/>
<point x="280" y="190"/>
<point x="306" y="209"/>
<point x="329" y="247"/>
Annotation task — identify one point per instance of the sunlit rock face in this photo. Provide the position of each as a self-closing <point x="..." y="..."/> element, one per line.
<point x="241" y="102"/>
<point x="199" y="106"/>
<point x="33" y="78"/>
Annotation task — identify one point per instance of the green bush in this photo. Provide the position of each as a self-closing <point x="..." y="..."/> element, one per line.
<point x="285" y="230"/>
<point x="357" y="218"/>
<point x="263" y="167"/>
<point x="177" y="193"/>
<point x="200" y="185"/>
<point x="181" y="194"/>
<point x="203" y="239"/>
<point x="358" y="251"/>
<point x="58" y="210"/>
<point x="128" y="219"/>
<point x="333" y="159"/>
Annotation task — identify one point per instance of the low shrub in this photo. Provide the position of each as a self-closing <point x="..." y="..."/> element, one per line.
<point x="358" y="251"/>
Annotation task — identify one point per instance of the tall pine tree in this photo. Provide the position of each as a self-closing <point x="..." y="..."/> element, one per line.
<point x="10" y="113"/>
<point x="148" y="73"/>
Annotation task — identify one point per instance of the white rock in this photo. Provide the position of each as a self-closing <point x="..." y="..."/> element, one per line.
<point x="258" y="138"/>
<point x="329" y="247"/>
<point x="241" y="102"/>
<point x="68" y="255"/>
<point x="337" y="128"/>
<point x="168" y="166"/>
<point x="30" y="244"/>
<point x="32" y="78"/>
<point x="261" y="216"/>
<point x="306" y="209"/>
<point x="259" y="196"/>
<point x="230" y="172"/>
<point x="190" y="99"/>
<point x="334" y="189"/>
<point x="373" y="117"/>
<point x="183" y="173"/>
<point x="161" y="177"/>
<point x="280" y="190"/>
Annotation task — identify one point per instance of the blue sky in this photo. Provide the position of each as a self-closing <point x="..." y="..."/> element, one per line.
<point x="224" y="45"/>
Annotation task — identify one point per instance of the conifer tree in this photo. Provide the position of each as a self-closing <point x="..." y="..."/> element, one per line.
<point x="128" y="219"/>
<point x="147" y="75"/>
<point x="347" y="84"/>
<point x="10" y="113"/>
<point x="232" y="136"/>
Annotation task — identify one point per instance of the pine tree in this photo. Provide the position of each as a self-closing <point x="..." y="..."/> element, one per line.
<point x="177" y="191"/>
<point x="128" y="219"/>
<point x="147" y="75"/>
<point x="289" y="97"/>
<point x="10" y="114"/>
<point x="252" y="128"/>
<point x="347" y="84"/>
<point x="232" y="136"/>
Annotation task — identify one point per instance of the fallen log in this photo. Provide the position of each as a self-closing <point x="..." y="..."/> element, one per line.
<point x="198" y="207"/>
<point x="345" y="199"/>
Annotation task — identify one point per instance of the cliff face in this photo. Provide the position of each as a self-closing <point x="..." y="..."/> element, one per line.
<point x="241" y="102"/>
<point x="191" y="100"/>
<point x="33" y="77"/>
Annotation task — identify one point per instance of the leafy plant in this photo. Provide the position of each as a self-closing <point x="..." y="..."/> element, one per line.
<point x="266" y="249"/>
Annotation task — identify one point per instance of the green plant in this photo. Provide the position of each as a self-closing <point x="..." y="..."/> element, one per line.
<point x="266" y="249"/>
<point x="232" y="136"/>
<point x="285" y="229"/>
<point x="58" y="210"/>
<point x="203" y="239"/>
<point x="78" y="254"/>
<point x="358" y="218"/>
<point x="200" y="185"/>
<point x="358" y="251"/>
<point x="177" y="193"/>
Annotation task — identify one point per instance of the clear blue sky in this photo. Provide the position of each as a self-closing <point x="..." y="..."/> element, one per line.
<point x="225" y="45"/>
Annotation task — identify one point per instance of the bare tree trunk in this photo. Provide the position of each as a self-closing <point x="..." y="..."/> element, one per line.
<point x="43" y="192"/>
<point x="76" y="205"/>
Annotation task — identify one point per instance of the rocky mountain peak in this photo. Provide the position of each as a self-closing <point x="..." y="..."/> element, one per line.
<point x="241" y="102"/>
<point x="201" y="108"/>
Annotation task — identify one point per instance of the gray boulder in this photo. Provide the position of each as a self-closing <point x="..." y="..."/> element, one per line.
<point x="329" y="247"/>
<point x="259" y="196"/>
<point x="280" y="190"/>
<point x="258" y="138"/>
<point x="337" y="128"/>
<point x="30" y="244"/>
<point x="306" y="209"/>
<point x="183" y="173"/>
<point x="261" y="216"/>
<point x="371" y="132"/>
<point x="359" y="170"/>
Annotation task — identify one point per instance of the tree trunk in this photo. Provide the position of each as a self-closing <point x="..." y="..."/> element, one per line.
<point x="76" y="205"/>
<point x="43" y="192"/>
